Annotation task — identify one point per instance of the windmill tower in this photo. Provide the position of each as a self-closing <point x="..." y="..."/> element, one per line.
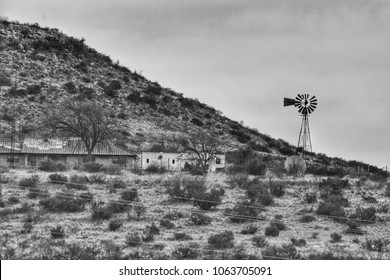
<point x="306" y="105"/>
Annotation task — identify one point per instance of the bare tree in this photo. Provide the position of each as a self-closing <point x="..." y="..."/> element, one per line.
<point x="86" y="120"/>
<point x="202" y="146"/>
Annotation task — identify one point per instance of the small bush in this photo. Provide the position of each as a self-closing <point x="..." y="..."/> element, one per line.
<point x="259" y="241"/>
<point x="286" y="251"/>
<point x="174" y="215"/>
<point x="93" y="167"/>
<point x="181" y="236"/>
<point x="13" y="200"/>
<point x="130" y="195"/>
<point x="271" y="231"/>
<point x="57" y="232"/>
<point x="114" y="225"/>
<point x="244" y="211"/>
<point x="310" y="197"/>
<point x="208" y="200"/>
<point x="188" y="251"/>
<point x="332" y="186"/>
<point x="365" y="215"/>
<point x="97" y="179"/>
<point x="155" y="168"/>
<point x="167" y="224"/>
<point x="117" y="206"/>
<point x="277" y="190"/>
<point x="383" y="207"/>
<point x="86" y="196"/>
<point x="133" y="239"/>
<point x="118" y="184"/>
<point x="307" y="219"/>
<point x="280" y="225"/>
<point x="222" y="240"/>
<point x="353" y="228"/>
<point x="51" y="166"/>
<point x="37" y="193"/>
<point x="99" y="212"/>
<point x="139" y="210"/>
<point x="200" y="219"/>
<point x="298" y="242"/>
<point x="335" y="237"/>
<point x="33" y="89"/>
<point x="256" y="168"/>
<point x="376" y="245"/>
<point x="63" y="202"/>
<point x="29" y="182"/>
<point x="77" y="182"/>
<point x="332" y="209"/>
<point x="58" y="178"/>
<point x="250" y="229"/>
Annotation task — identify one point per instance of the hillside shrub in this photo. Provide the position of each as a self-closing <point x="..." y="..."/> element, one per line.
<point x="208" y="200"/>
<point x="187" y="251"/>
<point x="259" y="241"/>
<point x="5" y="79"/>
<point x="52" y="166"/>
<point x="307" y="219"/>
<point x="33" y="90"/>
<point x="365" y="215"/>
<point x="332" y="186"/>
<point x="77" y="182"/>
<point x="97" y="179"/>
<point x="383" y="207"/>
<point x="130" y="195"/>
<point x="335" y="237"/>
<point x="70" y="87"/>
<point x="57" y="232"/>
<point x="87" y="197"/>
<point x="117" y="184"/>
<point x="250" y="229"/>
<point x="134" y="239"/>
<point x="139" y="210"/>
<point x="353" y="228"/>
<point x="286" y="251"/>
<point x="174" y="215"/>
<point x="93" y="167"/>
<point x="118" y="206"/>
<point x="56" y="178"/>
<point x="167" y="224"/>
<point x="114" y="225"/>
<point x="376" y="245"/>
<point x="310" y="197"/>
<point x="31" y="182"/>
<point x="100" y="212"/>
<point x="256" y="168"/>
<point x="244" y="211"/>
<point x="330" y="208"/>
<point x="271" y="231"/>
<point x="181" y="236"/>
<point x="222" y="240"/>
<point x="63" y="202"/>
<point x="199" y="219"/>
<point x="277" y="190"/>
<point x="34" y="193"/>
<point x="278" y="223"/>
<point x="298" y="242"/>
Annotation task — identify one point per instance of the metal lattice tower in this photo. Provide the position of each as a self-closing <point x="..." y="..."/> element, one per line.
<point x="306" y="105"/>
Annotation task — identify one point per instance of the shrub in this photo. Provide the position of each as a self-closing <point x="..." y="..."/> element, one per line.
<point x="175" y="215"/>
<point x="35" y="193"/>
<point x="118" y="184"/>
<point x="63" y="202"/>
<point x="330" y="208"/>
<point x="280" y="225"/>
<point x="29" y="182"/>
<point x="133" y="239"/>
<point x="58" y="178"/>
<point x="206" y="201"/>
<point x="335" y="237"/>
<point x="78" y="183"/>
<point x="222" y="240"/>
<point x="115" y="225"/>
<point x="117" y="206"/>
<point x="383" y="207"/>
<point x="286" y="251"/>
<point x="271" y="231"/>
<point x="188" y="251"/>
<point x="250" y="229"/>
<point x="310" y="197"/>
<point x="70" y="87"/>
<point x="277" y="190"/>
<point x="156" y="168"/>
<point x="259" y="193"/>
<point x="51" y="166"/>
<point x="97" y="179"/>
<point x="57" y="232"/>
<point x="92" y="167"/>
<point x="99" y="212"/>
<point x="376" y="245"/>
<point x="353" y="227"/>
<point x="256" y="168"/>
<point x="34" y="90"/>
<point x="13" y="200"/>
<point x="5" y="79"/>
<point x="298" y="242"/>
<point x="200" y="219"/>
<point x="332" y="186"/>
<point x="181" y="236"/>
<point x="244" y="211"/>
<point x="167" y="224"/>
<point x="238" y="180"/>
<point x="130" y="195"/>
<point x="259" y="241"/>
<point x="365" y="215"/>
<point x="307" y="219"/>
<point x="139" y="210"/>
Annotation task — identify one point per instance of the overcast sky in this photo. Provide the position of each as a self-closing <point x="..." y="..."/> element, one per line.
<point x="242" y="57"/>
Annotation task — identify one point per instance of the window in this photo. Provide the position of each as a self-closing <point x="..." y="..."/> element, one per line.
<point x="173" y="161"/>
<point x="218" y="161"/>
<point x="147" y="160"/>
<point x="12" y="159"/>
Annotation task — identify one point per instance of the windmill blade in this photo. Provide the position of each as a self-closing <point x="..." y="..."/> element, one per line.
<point x="288" y="102"/>
<point x="299" y="97"/>
<point x="310" y="109"/>
<point x="300" y="110"/>
<point x="313" y="98"/>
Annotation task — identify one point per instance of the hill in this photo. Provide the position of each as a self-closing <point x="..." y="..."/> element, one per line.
<point x="42" y="66"/>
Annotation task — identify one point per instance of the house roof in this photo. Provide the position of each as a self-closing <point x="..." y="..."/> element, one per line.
<point x="60" y="147"/>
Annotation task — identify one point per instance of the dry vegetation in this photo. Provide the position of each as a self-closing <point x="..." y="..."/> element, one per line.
<point x="130" y="216"/>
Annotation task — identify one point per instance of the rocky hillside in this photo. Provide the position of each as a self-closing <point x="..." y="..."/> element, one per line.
<point x="42" y="66"/>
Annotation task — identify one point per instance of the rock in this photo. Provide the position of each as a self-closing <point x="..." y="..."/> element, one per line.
<point x="41" y="57"/>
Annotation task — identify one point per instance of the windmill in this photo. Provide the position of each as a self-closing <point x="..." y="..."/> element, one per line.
<point x="306" y="105"/>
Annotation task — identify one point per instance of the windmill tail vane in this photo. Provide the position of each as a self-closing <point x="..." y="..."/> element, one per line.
<point x="306" y="105"/>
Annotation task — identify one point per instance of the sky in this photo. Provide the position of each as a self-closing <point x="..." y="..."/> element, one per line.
<point x="243" y="57"/>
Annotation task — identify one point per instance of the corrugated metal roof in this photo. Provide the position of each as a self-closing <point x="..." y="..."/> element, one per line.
<point x="59" y="147"/>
